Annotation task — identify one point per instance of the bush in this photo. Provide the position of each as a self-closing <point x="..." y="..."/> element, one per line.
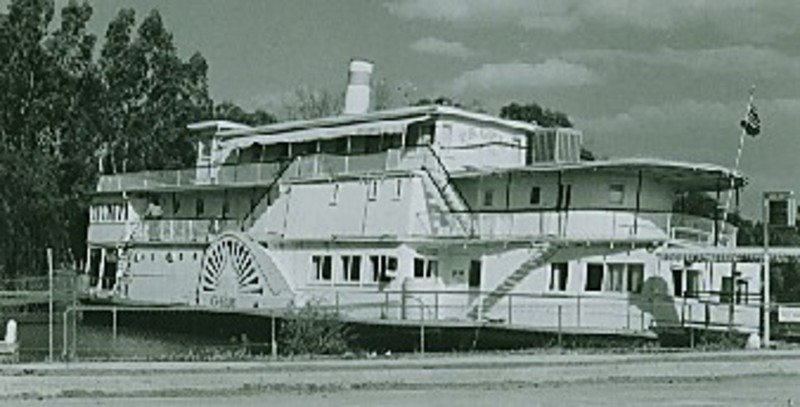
<point x="312" y="330"/>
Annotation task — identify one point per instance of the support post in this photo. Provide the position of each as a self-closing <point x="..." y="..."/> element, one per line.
<point x="765" y="278"/>
<point x="114" y="325"/>
<point x="50" y="303"/>
<point x="559" y="326"/>
<point x="65" y="334"/>
<point x="273" y="340"/>
<point x="510" y="308"/>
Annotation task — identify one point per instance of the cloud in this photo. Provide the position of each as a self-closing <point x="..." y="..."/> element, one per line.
<point x="436" y="46"/>
<point x="745" y="61"/>
<point x="548" y="74"/>
<point x="768" y="17"/>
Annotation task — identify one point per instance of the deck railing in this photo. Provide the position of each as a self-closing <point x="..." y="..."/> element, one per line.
<point x="601" y="312"/>
<point x="580" y="225"/>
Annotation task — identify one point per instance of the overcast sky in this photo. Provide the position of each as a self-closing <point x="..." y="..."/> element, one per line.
<point x="639" y="77"/>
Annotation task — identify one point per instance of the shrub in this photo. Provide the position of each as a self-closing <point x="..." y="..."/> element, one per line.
<point x="312" y="330"/>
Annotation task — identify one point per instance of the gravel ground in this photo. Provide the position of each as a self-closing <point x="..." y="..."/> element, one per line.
<point x="715" y="378"/>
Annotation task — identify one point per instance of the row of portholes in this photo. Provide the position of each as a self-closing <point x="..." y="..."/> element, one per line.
<point x="169" y="257"/>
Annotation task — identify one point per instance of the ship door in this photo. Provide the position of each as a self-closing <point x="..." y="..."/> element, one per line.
<point x="474" y="279"/>
<point x="110" y="269"/>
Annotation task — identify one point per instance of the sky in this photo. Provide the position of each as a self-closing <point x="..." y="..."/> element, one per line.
<point x="642" y="78"/>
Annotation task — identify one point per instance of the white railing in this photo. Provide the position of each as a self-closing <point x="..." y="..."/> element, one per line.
<point x="181" y="230"/>
<point x="578" y="225"/>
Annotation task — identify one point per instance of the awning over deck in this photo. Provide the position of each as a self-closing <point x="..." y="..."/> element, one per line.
<point x="730" y="254"/>
<point x="323" y="133"/>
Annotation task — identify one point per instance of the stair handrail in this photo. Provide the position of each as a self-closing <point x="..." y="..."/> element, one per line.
<point x="458" y="215"/>
<point x="448" y="177"/>
<point x="249" y="219"/>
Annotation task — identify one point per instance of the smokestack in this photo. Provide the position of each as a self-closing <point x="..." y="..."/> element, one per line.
<point x="356" y="100"/>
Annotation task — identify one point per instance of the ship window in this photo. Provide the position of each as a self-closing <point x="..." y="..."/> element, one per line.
<point x="372" y="190"/>
<point x="199" y="206"/>
<point x="488" y="197"/>
<point x="536" y="196"/>
<point x="688" y="288"/>
<point x="419" y="267"/>
<point x="351" y="268"/>
<point x="335" y="195"/>
<point x="426" y="268"/>
<point x="398" y="189"/>
<point x="176" y="204"/>
<point x="616" y="194"/>
<point x="616" y="277"/>
<point x="594" y="277"/>
<point x="359" y="144"/>
<point x="635" y="278"/>
<point x="433" y="268"/>
<point x="226" y="206"/>
<point x="383" y="268"/>
<point x="559" y="273"/>
<point x="322" y="267"/>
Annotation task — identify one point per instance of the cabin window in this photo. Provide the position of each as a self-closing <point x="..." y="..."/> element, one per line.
<point x="176" y="204"/>
<point x="559" y="273"/>
<point x="616" y="278"/>
<point x="383" y="268"/>
<point x="594" y="277"/>
<point x="616" y="194"/>
<point x="488" y="197"/>
<point x="351" y="269"/>
<point x="226" y="206"/>
<point x="635" y="278"/>
<point x="426" y="268"/>
<point x="372" y="190"/>
<point x="358" y="144"/>
<point x="199" y="207"/>
<point x="536" y="196"/>
<point x="322" y="267"/>
<point x="335" y="195"/>
<point x="686" y="283"/>
<point x="398" y="189"/>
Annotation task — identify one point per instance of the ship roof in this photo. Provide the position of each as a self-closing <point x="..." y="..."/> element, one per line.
<point x="401" y="114"/>
<point x="690" y="176"/>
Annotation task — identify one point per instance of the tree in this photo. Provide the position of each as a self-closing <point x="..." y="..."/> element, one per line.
<point x="151" y="94"/>
<point x="307" y="103"/>
<point x="229" y="111"/>
<point x="533" y="113"/>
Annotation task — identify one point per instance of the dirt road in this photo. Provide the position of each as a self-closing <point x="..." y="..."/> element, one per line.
<point x="744" y="378"/>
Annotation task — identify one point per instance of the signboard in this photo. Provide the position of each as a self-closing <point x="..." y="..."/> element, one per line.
<point x="788" y="314"/>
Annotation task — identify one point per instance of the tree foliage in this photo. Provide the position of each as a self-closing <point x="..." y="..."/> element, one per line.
<point x="533" y="113"/>
<point x="60" y="105"/>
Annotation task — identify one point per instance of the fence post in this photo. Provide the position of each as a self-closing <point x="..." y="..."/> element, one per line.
<point x="559" y="325"/>
<point x="114" y="324"/>
<point x="385" y="311"/>
<point x="273" y="340"/>
<point x="422" y="328"/>
<point x="578" y="310"/>
<point x="510" y="308"/>
<point x="436" y="305"/>
<point x="65" y="334"/>
<point x="50" y="304"/>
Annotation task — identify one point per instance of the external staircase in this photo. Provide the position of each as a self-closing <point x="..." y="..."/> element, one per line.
<point x="543" y="253"/>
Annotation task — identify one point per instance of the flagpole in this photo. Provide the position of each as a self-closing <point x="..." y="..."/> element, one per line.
<point x="738" y="160"/>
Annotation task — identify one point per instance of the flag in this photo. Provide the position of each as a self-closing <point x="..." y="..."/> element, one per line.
<point x="751" y="123"/>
